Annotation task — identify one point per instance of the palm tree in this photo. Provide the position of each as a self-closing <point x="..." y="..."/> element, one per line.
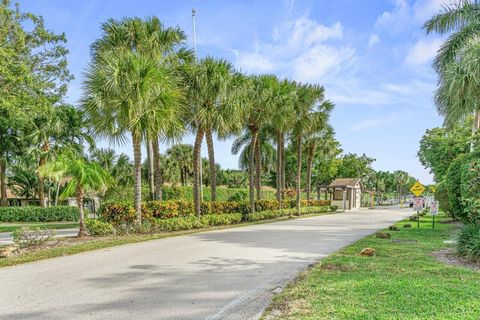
<point x="105" y="157"/>
<point x="167" y="47"/>
<point x="311" y="112"/>
<point x="128" y="91"/>
<point x="181" y="154"/>
<point x="264" y="157"/>
<point x="84" y="176"/>
<point x="319" y="136"/>
<point x="213" y="110"/>
<point x="280" y="124"/>
<point x="456" y="61"/>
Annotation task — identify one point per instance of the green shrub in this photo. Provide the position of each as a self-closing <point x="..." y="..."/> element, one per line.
<point x="270" y="214"/>
<point x="118" y="213"/>
<point x="27" y="237"/>
<point x="239" y="196"/>
<point x="96" y="227"/>
<point x="193" y="222"/>
<point x="469" y="242"/>
<point x="38" y="214"/>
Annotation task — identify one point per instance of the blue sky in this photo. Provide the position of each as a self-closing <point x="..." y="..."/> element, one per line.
<point x="372" y="57"/>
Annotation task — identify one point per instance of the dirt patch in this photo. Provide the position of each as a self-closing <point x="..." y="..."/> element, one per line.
<point x="448" y="256"/>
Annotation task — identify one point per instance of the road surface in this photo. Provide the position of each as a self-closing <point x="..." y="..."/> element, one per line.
<point x="223" y="274"/>
<point x="6" y="237"/>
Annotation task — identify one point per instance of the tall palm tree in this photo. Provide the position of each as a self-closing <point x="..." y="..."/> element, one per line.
<point x="456" y="61"/>
<point x="167" y="47"/>
<point x="320" y="134"/>
<point x="129" y="91"/>
<point x="84" y="176"/>
<point x="280" y="124"/>
<point x="213" y="110"/>
<point x="259" y="107"/>
<point x="311" y="112"/>
<point x="105" y="157"/>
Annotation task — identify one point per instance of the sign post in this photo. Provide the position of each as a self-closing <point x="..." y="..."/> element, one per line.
<point x="417" y="189"/>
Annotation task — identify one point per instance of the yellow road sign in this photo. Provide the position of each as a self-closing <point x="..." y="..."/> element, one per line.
<point x="433" y="188"/>
<point x="417" y="189"/>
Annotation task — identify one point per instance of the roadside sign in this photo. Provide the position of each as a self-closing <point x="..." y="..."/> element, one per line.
<point x="417" y="204"/>
<point x="417" y="189"/>
<point x="434" y="208"/>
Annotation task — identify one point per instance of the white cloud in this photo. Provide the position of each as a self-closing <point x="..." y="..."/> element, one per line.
<point x="422" y="52"/>
<point x="373" y="40"/>
<point x="254" y="61"/>
<point x="425" y="9"/>
<point x="395" y="20"/>
<point x="302" y="48"/>
<point x="404" y="15"/>
<point x="413" y="88"/>
<point x="374" y="122"/>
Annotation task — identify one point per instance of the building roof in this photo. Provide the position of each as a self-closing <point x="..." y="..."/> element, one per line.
<point x="347" y="182"/>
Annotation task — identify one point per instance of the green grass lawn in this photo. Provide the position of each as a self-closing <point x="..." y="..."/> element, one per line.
<point x="10" y="227"/>
<point x="403" y="281"/>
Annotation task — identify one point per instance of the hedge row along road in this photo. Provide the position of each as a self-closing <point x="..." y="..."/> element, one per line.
<point x="223" y="274"/>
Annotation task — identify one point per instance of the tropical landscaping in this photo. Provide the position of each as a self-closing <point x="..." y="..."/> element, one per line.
<point x="146" y="90"/>
<point x="145" y="86"/>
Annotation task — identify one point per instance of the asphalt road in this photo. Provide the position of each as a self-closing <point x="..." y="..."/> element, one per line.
<point x="6" y="237"/>
<point x="224" y="274"/>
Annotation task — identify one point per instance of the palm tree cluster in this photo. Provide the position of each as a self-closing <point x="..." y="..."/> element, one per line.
<point x="143" y="82"/>
<point x="458" y="62"/>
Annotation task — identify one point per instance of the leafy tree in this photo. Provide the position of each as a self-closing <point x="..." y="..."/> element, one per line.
<point x="84" y="176"/>
<point x="354" y="166"/>
<point x="440" y="146"/>
<point x="34" y="77"/>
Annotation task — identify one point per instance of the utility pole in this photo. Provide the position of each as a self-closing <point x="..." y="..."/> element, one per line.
<point x="195" y="52"/>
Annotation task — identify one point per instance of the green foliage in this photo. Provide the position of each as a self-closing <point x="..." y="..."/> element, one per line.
<point x="99" y="228"/>
<point x="239" y="196"/>
<point x="441" y="195"/>
<point x="469" y="241"/>
<point x="439" y="147"/>
<point x="270" y="214"/>
<point x="36" y="214"/>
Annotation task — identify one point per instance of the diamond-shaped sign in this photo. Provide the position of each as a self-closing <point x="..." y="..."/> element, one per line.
<point x="417" y="189"/>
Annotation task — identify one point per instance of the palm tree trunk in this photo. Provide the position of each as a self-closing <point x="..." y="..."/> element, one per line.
<point x="475" y="127"/>
<point x="196" y="170"/>
<point x="80" y="194"/>
<point x="251" y="172"/>
<point x="157" y="168"/>
<point x="311" y="151"/>
<point x="258" y="168"/>
<point x="41" y="184"/>
<point x="279" y="173"/>
<point x="57" y="191"/>
<point x="137" y="175"/>
<point x="213" y="168"/>
<point x="282" y="163"/>
<point x="299" y="171"/>
<point x="3" y="183"/>
<point x="151" y="172"/>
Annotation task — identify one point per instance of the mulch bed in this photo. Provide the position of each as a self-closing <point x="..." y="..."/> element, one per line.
<point x="448" y="256"/>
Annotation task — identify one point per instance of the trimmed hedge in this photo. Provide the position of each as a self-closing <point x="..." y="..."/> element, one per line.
<point x="124" y="213"/>
<point x="193" y="222"/>
<point x="38" y="214"/>
<point x="270" y="214"/>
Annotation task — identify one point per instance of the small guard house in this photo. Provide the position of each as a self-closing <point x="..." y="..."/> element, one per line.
<point x="346" y="193"/>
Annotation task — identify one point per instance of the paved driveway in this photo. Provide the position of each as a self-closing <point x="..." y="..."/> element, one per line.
<point x="225" y="274"/>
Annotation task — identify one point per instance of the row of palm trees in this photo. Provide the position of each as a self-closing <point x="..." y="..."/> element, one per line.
<point x="144" y="83"/>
